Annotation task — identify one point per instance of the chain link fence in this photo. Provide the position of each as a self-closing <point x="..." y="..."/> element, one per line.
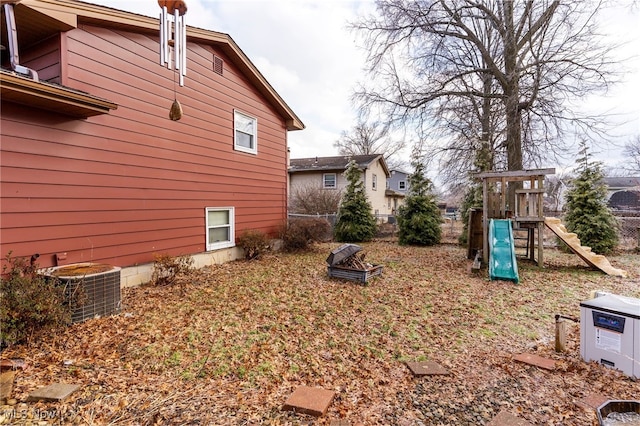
<point x="331" y="217"/>
<point x="629" y="227"/>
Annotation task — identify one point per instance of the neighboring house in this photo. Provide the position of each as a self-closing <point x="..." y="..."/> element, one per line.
<point x="451" y="205"/>
<point x="624" y="192"/>
<point x="93" y="169"/>
<point x="622" y="183"/>
<point x="397" y="188"/>
<point x="328" y="172"/>
<point x="626" y="200"/>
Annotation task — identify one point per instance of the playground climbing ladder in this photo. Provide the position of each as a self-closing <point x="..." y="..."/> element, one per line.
<point x="571" y="239"/>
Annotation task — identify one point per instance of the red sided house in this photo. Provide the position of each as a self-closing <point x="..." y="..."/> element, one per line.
<point x="93" y="169"/>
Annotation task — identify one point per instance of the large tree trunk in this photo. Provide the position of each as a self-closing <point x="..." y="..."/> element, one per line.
<point x="512" y="99"/>
<point x="485" y="154"/>
<point x="430" y="57"/>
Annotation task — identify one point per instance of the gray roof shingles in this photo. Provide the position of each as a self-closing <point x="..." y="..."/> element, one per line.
<point x="338" y="163"/>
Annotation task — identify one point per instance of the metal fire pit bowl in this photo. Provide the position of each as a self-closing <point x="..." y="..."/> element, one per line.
<point x="617" y="406"/>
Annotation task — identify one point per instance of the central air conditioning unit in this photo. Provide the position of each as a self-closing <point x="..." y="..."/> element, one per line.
<point x="93" y="289"/>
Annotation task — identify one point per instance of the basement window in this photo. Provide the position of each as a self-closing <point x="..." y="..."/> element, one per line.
<point x="220" y="227"/>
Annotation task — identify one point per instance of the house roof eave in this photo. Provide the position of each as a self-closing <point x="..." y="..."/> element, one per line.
<point x="315" y="170"/>
<point x="394" y="194"/>
<point x="92" y="13"/>
<point x="335" y="163"/>
<point x="387" y="172"/>
<point x="52" y="97"/>
<point x="229" y="46"/>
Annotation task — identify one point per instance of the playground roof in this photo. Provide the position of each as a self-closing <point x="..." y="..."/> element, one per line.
<point x="514" y="174"/>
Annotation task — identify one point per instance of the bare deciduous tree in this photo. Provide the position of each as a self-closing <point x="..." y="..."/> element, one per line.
<point x="504" y="71"/>
<point x="365" y="139"/>
<point x="314" y="199"/>
<point x="555" y="187"/>
<point x="632" y="154"/>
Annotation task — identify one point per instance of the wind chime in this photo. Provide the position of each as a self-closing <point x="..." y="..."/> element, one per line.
<point x="173" y="33"/>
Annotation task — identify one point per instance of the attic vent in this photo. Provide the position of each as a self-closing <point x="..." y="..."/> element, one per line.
<point x="217" y="65"/>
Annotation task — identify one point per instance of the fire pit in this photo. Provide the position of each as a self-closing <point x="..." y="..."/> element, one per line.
<point x="345" y="263"/>
<point x="619" y="412"/>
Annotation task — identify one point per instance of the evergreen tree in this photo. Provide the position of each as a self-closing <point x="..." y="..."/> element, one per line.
<point x="483" y="162"/>
<point x="355" y="221"/>
<point x="472" y="199"/>
<point x="419" y="218"/>
<point x="587" y="212"/>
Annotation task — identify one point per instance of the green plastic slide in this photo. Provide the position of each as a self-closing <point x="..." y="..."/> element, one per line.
<point x="502" y="254"/>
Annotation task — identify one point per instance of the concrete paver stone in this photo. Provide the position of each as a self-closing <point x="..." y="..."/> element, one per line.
<point x="54" y="392"/>
<point x="308" y="400"/>
<point x="426" y="368"/>
<point x="6" y="384"/>
<point x="592" y="401"/>
<point x="538" y="361"/>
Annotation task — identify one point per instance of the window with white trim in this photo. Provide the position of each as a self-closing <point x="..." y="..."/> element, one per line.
<point x="374" y="182"/>
<point x="220" y="227"/>
<point x="329" y="181"/>
<point x="245" y="137"/>
<point x="402" y="185"/>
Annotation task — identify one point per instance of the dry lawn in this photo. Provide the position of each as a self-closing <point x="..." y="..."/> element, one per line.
<point x="231" y="348"/>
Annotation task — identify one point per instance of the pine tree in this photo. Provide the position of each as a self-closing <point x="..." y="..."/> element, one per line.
<point x="355" y="220"/>
<point x="587" y="212"/>
<point x="482" y="162"/>
<point x="419" y="218"/>
<point x="472" y="199"/>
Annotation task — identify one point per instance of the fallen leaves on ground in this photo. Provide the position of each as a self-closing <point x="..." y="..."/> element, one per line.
<point x="233" y="346"/>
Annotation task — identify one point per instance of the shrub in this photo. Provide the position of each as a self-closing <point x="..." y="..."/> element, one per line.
<point x="314" y="199"/>
<point x="587" y="212"/>
<point x="170" y="270"/>
<point x="472" y="199"/>
<point x="254" y="243"/>
<point x="355" y="220"/>
<point x="299" y="234"/>
<point x="419" y="218"/>
<point x="30" y="303"/>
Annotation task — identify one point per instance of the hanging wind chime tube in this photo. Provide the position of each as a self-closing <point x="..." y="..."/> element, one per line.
<point x="173" y="33"/>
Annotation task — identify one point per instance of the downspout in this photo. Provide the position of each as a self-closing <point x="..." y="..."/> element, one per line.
<point x="12" y="38"/>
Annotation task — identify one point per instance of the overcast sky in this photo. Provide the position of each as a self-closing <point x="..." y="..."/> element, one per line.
<point x="308" y="55"/>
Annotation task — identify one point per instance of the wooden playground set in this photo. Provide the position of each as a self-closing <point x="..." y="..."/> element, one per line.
<point x="493" y="231"/>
